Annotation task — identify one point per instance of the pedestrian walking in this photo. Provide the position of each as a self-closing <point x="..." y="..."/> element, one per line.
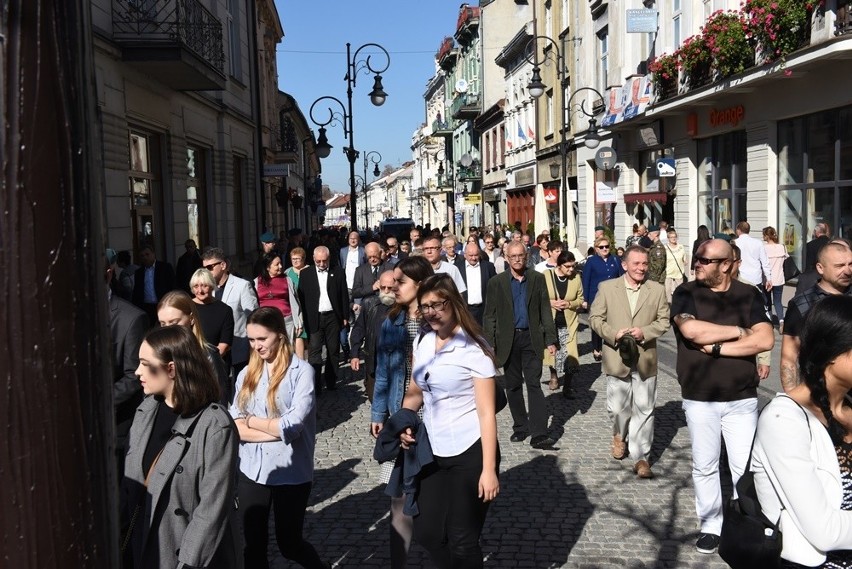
<point x="675" y="263"/>
<point x="720" y="325"/>
<point x="657" y="257"/>
<point x="178" y="491"/>
<point x="454" y="384"/>
<point x="630" y="313"/>
<point x="394" y="357"/>
<point x="298" y="258"/>
<point x="216" y="317"/>
<point x="152" y="280"/>
<point x="476" y="272"/>
<point x="519" y="324"/>
<point x="275" y="289"/>
<point x="275" y="412"/>
<point x="775" y="254"/>
<point x="565" y="292"/>
<point x="599" y="267"/>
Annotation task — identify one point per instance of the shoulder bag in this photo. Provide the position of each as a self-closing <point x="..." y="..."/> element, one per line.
<point x="749" y="539"/>
<point x="791" y="271"/>
<point x="684" y="278"/>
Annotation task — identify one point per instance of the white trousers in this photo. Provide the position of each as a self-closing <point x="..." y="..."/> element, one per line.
<point x="708" y="422"/>
<point x="630" y="404"/>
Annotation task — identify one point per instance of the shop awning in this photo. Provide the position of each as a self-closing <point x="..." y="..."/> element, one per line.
<point x="645" y="197"/>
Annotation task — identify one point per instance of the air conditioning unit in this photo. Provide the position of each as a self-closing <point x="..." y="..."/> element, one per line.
<point x="461" y="86"/>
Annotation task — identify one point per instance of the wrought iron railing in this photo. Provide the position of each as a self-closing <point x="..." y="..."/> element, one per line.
<point x="186" y="22"/>
<point x="465" y="101"/>
<point x="472" y="172"/>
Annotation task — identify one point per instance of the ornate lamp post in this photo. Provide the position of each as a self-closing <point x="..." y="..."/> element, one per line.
<point x="443" y="182"/>
<point x="344" y="116"/>
<point x="537" y="88"/>
<point x="376" y="158"/>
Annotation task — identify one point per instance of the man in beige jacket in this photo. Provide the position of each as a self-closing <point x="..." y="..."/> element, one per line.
<point x="636" y="307"/>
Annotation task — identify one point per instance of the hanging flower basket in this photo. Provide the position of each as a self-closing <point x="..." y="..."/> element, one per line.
<point x="725" y="36"/>
<point x="695" y="61"/>
<point x="664" y="74"/>
<point x="777" y="28"/>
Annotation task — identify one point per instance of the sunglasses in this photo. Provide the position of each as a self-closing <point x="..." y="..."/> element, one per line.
<point x="211" y="266"/>
<point x="603" y="246"/>
<point x="707" y="260"/>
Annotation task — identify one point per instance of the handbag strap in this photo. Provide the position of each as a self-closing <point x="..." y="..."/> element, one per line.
<point x="751" y="452"/>
<point x="682" y="273"/>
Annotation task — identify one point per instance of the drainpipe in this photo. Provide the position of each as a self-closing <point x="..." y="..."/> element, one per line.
<point x="260" y="203"/>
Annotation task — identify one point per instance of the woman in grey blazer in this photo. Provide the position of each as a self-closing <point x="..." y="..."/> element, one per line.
<point x="178" y="494"/>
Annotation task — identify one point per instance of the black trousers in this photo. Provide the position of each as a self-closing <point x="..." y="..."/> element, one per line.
<point x="477" y="311"/>
<point x="597" y="342"/>
<point x="288" y="503"/>
<point x="327" y="335"/>
<point x="524" y="367"/>
<point x="451" y="514"/>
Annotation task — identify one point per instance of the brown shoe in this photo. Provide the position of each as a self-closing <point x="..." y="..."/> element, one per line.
<point x="643" y="469"/>
<point x="619" y="448"/>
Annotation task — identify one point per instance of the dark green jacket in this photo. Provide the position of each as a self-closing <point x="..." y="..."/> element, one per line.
<point x="657" y="262"/>
<point x="499" y="319"/>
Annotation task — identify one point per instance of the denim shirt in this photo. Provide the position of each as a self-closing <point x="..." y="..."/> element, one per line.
<point x="390" y="369"/>
<point x="291" y="459"/>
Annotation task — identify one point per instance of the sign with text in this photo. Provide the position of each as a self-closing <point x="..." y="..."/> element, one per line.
<point x="629" y="100"/>
<point x="605" y="158"/>
<point x="641" y="21"/>
<point x="473" y="199"/>
<point x="276" y="170"/>
<point x="604" y="193"/>
<point x="731" y="116"/>
<point x="666" y="168"/>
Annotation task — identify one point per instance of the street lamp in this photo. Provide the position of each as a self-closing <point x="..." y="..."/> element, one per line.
<point x="344" y="116"/>
<point x="374" y="157"/>
<point x="537" y="88"/>
<point x="441" y="157"/>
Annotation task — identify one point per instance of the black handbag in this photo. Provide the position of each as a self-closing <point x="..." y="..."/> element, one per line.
<point x="748" y="538"/>
<point x="791" y="271"/>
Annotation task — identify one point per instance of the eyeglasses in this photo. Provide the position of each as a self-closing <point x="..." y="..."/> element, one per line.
<point x="434" y="307"/>
<point x="707" y="260"/>
<point x="392" y="245"/>
<point x="603" y="246"/>
<point x="489" y="242"/>
<point x="211" y="265"/>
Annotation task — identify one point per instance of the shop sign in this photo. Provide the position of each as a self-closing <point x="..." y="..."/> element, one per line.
<point x="551" y="195"/>
<point x="276" y="170"/>
<point x="473" y="199"/>
<point x="641" y="21"/>
<point x="666" y="168"/>
<point x="732" y="116"/>
<point x="524" y="177"/>
<point x="491" y="195"/>
<point x="604" y="193"/>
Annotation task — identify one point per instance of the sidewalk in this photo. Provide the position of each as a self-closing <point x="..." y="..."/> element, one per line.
<point x="570" y="507"/>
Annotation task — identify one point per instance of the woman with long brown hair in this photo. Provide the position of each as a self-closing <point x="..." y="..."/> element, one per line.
<point x="176" y="308"/>
<point x="394" y="349"/>
<point x="179" y="484"/>
<point x="453" y="381"/>
<point x="275" y="412"/>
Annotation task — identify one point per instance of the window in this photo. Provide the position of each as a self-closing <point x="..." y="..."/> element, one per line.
<point x="722" y="180"/>
<point x="548" y="19"/>
<point x="603" y="59"/>
<point x="677" y="36"/>
<point x="563" y="13"/>
<point x="239" y="224"/>
<point x="814" y="176"/>
<point x="548" y="116"/>
<point x="234" y="40"/>
<point x="196" y="195"/>
<point x="145" y="181"/>
<point x="708" y="9"/>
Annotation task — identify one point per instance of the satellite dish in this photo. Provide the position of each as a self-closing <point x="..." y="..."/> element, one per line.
<point x="461" y="86"/>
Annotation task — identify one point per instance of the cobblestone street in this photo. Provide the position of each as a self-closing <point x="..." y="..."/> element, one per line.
<point x="573" y="506"/>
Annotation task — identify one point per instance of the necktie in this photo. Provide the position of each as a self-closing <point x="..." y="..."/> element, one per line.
<point x="375" y="272"/>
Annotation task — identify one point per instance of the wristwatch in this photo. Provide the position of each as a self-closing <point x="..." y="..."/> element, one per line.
<point x="717" y="350"/>
<point x="685" y="316"/>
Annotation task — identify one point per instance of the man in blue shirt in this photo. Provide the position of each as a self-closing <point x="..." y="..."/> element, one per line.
<point x="519" y="324"/>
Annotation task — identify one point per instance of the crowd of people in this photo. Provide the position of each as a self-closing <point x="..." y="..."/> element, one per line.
<point x="217" y="379"/>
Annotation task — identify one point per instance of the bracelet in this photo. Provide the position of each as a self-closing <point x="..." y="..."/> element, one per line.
<point x="717" y="350"/>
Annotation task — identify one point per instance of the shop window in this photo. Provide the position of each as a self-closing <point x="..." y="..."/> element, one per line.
<point x="145" y="181"/>
<point x="820" y="136"/>
<point x="722" y="180"/>
<point x="196" y="195"/>
<point x="844" y="161"/>
<point x="790" y="151"/>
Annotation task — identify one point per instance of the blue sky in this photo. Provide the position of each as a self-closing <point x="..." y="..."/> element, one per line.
<point x="312" y="63"/>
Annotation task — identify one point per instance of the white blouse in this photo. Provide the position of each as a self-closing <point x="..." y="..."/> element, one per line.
<point x="446" y="378"/>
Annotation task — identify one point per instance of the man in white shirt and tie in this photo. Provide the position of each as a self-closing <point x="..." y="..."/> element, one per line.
<point x="476" y="273"/>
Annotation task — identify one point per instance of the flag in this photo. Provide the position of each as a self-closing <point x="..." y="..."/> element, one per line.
<point x="521" y="134"/>
<point x="530" y="132"/>
<point x="506" y="138"/>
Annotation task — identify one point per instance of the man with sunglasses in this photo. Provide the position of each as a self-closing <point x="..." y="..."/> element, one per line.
<point x="720" y="326"/>
<point x="237" y="293"/>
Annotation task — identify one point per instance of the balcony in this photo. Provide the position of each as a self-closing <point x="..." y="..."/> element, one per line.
<point x="472" y="172"/>
<point x="467" y="24"/>
<point x="447" y="54"/>
<point x="178" y="42"/>
<point x="442" y="128"/>
<point x="465" y="106"/>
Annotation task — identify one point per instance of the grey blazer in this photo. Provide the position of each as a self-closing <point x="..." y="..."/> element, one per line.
<point x="240" y="296"/>
<point x="188" y="512"/>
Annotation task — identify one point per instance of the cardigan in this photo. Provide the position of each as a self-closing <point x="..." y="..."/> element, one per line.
<point x="796" y="458"/>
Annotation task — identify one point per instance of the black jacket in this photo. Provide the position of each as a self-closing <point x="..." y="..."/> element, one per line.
<point x="309" y="296"/>
<point x="404" y="478"/>
<point x="164" y="281"/>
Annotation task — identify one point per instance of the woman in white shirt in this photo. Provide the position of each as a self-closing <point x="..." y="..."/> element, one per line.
<point x="802" y="456"/>
<point x="454" y="383"/>
<point x="776" y="253"/>
<point x="675" y="264"/>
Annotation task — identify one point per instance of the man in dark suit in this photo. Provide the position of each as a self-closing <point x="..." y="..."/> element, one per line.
<point x="187" y="264"/>
<point x="476" y="274"/>
<point x="366" y="283"/>
<point x="367" y="328"/>
<point x="127" y="326"/>
<point x="153" y="279"/>
<point x="519" y="324"/>
<point x="394" y="255"/>
<point x="323" y="293"/>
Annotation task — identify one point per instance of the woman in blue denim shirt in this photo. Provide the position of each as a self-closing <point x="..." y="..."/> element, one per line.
<point x="393" y="374"/>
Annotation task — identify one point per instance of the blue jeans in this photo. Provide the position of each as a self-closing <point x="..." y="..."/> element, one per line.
<point x="774" y="299"/>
